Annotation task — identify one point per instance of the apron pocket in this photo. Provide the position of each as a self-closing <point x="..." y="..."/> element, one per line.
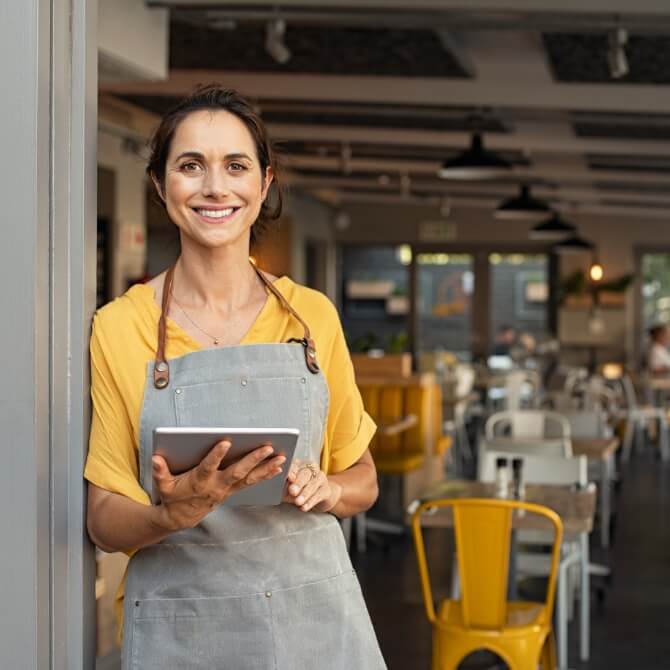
<point x="325" y="625"/>
<point x="230" y="633"/>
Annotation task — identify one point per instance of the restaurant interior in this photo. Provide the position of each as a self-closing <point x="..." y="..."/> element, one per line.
<point x="481" y="189"/>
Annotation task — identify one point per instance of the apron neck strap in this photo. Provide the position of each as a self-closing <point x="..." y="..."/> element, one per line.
<point x="161" y="366"/>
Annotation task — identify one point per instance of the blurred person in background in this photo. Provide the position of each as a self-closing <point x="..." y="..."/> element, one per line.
<point x="658" y="356"/>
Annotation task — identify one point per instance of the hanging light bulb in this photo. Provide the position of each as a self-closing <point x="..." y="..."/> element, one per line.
<point x="596" y="271"/>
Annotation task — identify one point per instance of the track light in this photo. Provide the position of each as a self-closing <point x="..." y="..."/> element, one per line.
<point x="476" y="162"/>
<point x="274" y="41"/>
<point x="616" y="53"/>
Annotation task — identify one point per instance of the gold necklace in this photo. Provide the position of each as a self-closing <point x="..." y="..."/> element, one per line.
<point x="214" y="338"/>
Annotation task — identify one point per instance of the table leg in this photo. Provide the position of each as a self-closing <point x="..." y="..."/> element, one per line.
<point x="512" y="590"/>
<point x="562" y="616"/>
<point x="585" y="601"/>
<point x="606" y="470"/>
<point x="663" y="439"/>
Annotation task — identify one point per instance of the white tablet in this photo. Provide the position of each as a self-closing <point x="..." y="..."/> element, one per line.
<point x="184" y="447"/>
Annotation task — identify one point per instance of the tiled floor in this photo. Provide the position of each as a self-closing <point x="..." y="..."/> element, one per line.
<point x="630" y="629"/>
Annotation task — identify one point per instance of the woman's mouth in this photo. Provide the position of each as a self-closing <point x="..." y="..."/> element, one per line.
<point x="219" y="215"/>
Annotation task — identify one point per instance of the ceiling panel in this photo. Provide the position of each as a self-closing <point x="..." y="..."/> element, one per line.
<point x="623" y="131"/>
<point x="583" y="58"/>
<point x="413" y="117"/>
<point x="314" y="49"/>
<point x="628" y="163"/>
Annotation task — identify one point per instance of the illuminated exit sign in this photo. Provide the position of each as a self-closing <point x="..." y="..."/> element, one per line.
<point x="437" y="231"/>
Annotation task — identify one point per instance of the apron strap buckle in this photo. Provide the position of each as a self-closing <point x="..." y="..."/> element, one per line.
<point x="310" y="353"/>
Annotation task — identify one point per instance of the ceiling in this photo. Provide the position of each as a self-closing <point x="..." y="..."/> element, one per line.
<point x="375" y="95"/>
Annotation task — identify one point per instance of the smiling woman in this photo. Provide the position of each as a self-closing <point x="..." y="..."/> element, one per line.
<point x="215" y="341"/>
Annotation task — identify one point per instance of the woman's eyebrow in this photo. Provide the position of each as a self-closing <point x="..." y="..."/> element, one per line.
<point x="190" y="154"/>
<point x="200" y="156"/>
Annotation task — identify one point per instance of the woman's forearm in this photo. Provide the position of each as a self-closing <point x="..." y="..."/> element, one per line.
<point x="117" y="523"/>
<point x="359" y="488"/>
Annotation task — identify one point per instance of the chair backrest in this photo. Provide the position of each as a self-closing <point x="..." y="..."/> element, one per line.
<point x="391" y="403"/>
<point x="482" y="530"/>
<point x="629" y="394"/>
<point x="520" y="385"/>
<point x="537" y="469"/>
<point x="588" y="424"/>
<point x="465" y="379"/>
<point x="534" y="424"/>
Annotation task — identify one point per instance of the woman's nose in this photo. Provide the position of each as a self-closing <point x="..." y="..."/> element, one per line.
<point x="215" y="184"/>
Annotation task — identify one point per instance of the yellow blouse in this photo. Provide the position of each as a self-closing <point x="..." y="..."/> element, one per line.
<point x="124" y="340"/>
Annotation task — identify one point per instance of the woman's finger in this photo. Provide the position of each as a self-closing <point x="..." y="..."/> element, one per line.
<point x="302" y="478"/>
<point x="309" y="490"/>
<point x="209" y="465"/>
<point x="322" y="493"/>
<point x="161" y="474"/>
<point x="266" y="470"/>
<point x="293" y="470"/>
<point x="240" y="470"/>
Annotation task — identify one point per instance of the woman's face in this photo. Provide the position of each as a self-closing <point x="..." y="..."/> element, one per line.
<point x="214" y="186"/>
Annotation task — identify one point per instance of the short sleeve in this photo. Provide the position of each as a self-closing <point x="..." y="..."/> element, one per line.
<point x="349" y="427"/>
<point x="112" y="462"/>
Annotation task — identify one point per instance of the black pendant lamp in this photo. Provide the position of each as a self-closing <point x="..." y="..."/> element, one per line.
<point x="522" y="207"/>
<point x="573" y="245"/>
<point x="553" y="229"/>
<point x="475" y="163"/>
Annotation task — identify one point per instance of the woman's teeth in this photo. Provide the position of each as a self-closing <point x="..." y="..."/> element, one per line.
<point x="215" y="213"/>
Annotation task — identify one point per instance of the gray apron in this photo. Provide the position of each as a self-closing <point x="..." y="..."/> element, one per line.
<point x="250" y="587"/>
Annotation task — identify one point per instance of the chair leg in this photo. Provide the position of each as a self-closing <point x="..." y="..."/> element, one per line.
<point x="562" y="614"/>
<point x="361" y="530"/>
<point x="464" y="442"/>
<point x="346" y="531"/>
<point x="627" y="446"/>
<point x="549" y="653"/>
<point x="663" y="439"/>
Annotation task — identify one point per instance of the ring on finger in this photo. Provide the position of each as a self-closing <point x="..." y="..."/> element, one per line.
<point x="312" y="468"/>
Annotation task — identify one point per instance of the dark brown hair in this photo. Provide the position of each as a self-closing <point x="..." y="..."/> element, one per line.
<point x="656" y="330"/>
<point x="216" y="98"/>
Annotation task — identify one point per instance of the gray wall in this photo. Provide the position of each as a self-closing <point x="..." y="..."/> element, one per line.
<point x="46" y="295"/>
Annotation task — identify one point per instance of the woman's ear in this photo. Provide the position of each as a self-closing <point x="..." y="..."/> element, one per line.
<point x="268" y="177"/>
<point x="158" y="188"/>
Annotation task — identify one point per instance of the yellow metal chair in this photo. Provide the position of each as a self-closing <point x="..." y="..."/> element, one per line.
<point x="519" y="632"/>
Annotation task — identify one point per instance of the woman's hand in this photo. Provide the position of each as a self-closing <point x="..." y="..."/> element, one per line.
<point x="310" y="489"/>
<point x="188" y="498"/>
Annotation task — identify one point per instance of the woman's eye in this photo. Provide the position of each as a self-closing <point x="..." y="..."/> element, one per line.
<point x="191" y="166"/>
<point x="237" y="167"/>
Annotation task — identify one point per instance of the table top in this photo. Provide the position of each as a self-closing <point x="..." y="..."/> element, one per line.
<point x="597" y="448"/>
<point x="661" y="383"/>
<point x="575" y="507"/>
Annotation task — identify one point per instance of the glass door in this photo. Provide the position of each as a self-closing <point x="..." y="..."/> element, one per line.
<point x="445" y="285"/>
<point x="518" y="302"/>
